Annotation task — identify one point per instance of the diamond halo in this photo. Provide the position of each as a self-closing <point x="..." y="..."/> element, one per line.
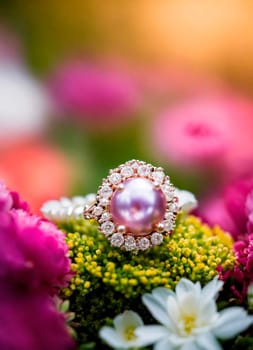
<point x="118" y="235"/>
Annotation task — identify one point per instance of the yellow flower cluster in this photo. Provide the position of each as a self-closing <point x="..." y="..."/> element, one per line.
<point x="193" y="251"/>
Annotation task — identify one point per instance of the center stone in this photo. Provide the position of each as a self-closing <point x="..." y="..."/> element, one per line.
<point x="139" y="206"/>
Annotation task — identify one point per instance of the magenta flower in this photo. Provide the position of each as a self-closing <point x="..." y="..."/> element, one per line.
<point x="95" y="94"/>
<point x="241" y="276"/>
<point x="203" y="133"/>
<point x="231" y="208"/>
<point x="29" y="321"/>
<point x="31" y="254"/>
<point x="33" y="267"/>
<point x="5" y="198"/>
<point x="11" y="200"/>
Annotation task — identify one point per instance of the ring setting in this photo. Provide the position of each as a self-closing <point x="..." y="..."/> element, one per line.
<point x="135" y="206"/>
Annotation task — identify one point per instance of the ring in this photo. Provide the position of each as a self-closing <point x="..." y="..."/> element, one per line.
<point x="136" y="206"/>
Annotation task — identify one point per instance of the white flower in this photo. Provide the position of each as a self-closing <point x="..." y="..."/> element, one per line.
<point x="189" y="317"/>
<point x="186" y="200"/>
<point x="66" y="209"/>
<point x="24" y="104"/>
<point x="123" y="335"/>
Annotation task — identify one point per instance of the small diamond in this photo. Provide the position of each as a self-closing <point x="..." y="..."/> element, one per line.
<point x="127" y="171"/>
<point x="174" y="207"/>
<point x="105" y="216"/>
<point x="135" y="165"/>
<point x="103" y="202"/>
<point x="117" y="239"/>
<point x="107" y="227"/>
<point x="156" y="238"/>
<point x="97" y="211"/>
<point x="130" y="243"/>
<point x="158" y="176"/>
<point x="115" y="178"/>
<point x="143" y="243"/>
<point x="168" y="225"/>
<point x="169" y="191"/>
<point x="105" y="191"/>
<point x="144" y="170"/>
<point x="169" y="216"/>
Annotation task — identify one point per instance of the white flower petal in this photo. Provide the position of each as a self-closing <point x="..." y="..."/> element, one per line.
<point x="178" y="341"/>
<point x="212" y="288"/>
<point x="66" y="209"/>
<point x="165" y="344"/>
<point x="189" y="304"/>
<point x="207" y="313"/>
<point x="173" y="308"/>
<point x="24" y="103"/>
<point x="231" y="322"/>
<point x="127" y="319"/>
<point x="208" y="342"/>
<point x="186" y="200"/>
<point x="110" y="336"/>
<point x="148" y="335"/>
<point x="186" y="286"/>
<point x="190" y="346"/>
<point x="161" y="294"/>
<point x="158" y="311"/>
<point x="191" y="318"/>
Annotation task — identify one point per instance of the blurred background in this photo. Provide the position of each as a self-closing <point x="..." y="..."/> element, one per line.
<point x="88" y="85"/>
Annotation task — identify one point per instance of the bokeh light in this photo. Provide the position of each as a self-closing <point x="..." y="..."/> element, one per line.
<point x="85" y="86"/>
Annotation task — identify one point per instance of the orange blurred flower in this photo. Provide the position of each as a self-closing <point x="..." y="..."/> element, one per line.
<point x="37" y="170"/>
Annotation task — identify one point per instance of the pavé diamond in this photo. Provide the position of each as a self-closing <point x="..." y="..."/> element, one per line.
<point x="98" y="211"/>
<point x="173" y="207"/>
<point x="105" y="191"/>
<point x="144" y="243"/>
<point x="130" y="243"/>
<point x="107" y="227"/>
<point x="104" y="202"/>
<point x="127" y="171"/>
<point x="135" y="165"/>
<point x="105" y="216"/>
<point x="168" y="225"/>
<point x="158" y="176"/>
<point x="115" y="178"/>
<point x="169" y="191"/>
<point x="117" y="239"/>
<point x="169" y="216"/>
<point x="156" y="238"/>
<point x="144" y="170"/>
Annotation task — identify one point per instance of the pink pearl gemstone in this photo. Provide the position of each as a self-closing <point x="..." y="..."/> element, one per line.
<point x="138" y="206"/>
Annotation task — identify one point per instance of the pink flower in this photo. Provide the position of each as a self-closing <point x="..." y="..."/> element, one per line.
<point x="33" y="267"/>
<point x="28" y="115"/>
<point x="10" y="199"/>
<point x="161" y="84"/>
<point x="5" y="198"/>
<point x="231" y="208"/>
<point x="32" y="255"/>
<point x="30" y="321"/>
<point x="97" y="95"/>
<point x="241" y="276"/>
<point x="207" y="133"/>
